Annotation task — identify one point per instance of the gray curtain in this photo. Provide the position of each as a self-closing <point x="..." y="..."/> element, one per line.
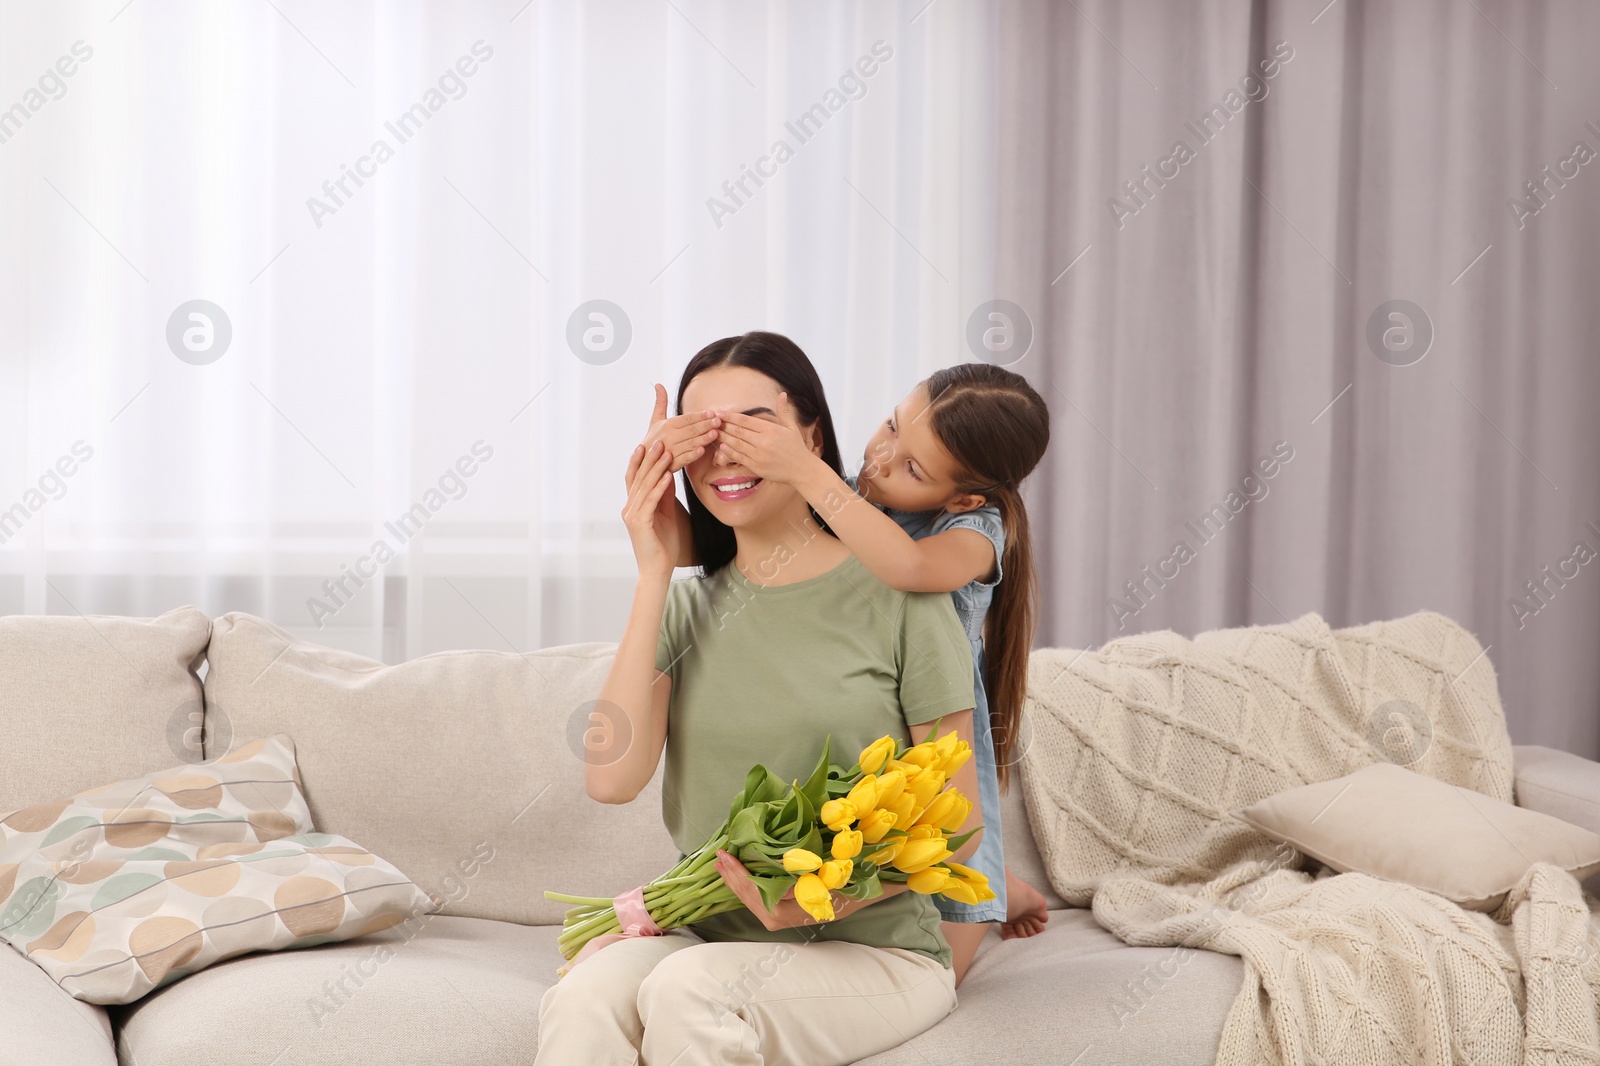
<point x="1240" y="294"/>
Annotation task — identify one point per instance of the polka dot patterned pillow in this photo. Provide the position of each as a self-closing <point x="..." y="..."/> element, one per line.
<point x="121" y="889"/>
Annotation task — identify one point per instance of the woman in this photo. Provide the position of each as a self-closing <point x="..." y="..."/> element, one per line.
<point x="785" y="640"/>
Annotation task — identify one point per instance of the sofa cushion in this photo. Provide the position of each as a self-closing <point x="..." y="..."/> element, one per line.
<point x="1394" y="823"/>
<point x="135" y="884"/>
<point x="450" y="989"/>
<point x="462" y="757"/>
<point x="433" y="989"/>
<point x="86" y="699"/>
<point x="1075" y="988"/>
<point x="42" y="1024"/>
<point x="1560" y="784"/>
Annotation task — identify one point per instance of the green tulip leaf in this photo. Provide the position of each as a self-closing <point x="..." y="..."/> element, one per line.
<point x="812" y="841"/>
<point x="770" y="788"/>
<point x="773" y="888"/>
<point x="765" y="865"/>
<point x="738" y="803"/>
<point x="815" y="789"/>
<point x="786" y="822"/>
<point x="745" y="828"/>
<point x="763" y="851"/>
<point x="954" y="843"/>
<point x="864" y="884"/>
<point x="840" y="781"/>
<point x="759" y="787"/>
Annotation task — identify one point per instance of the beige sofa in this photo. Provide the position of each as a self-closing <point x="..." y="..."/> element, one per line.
<point x="462" y="769"/>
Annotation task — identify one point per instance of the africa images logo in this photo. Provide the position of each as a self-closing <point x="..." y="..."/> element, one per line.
<point x="851" y="86"/>
<point x="405" y="126"/>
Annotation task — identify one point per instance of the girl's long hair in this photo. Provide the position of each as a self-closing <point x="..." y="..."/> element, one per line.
<point x="996" y="426"/>
<point x="780" y="359"/>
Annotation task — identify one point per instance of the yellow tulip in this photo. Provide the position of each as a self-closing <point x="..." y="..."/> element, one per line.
<point x="890" y="785"/>
<point x="938" y="812"/>
<point x="967" y="873"/>
<point x="864" y="795"/>
<point x="922" y="755"/>
<point x="874" y="754"/>
<point x="927" y="786"/>
<point x="959" y="891"/>
<point x="814" y="897"/>
<point x="909" y="770"/>
<point x="956" y="761"/>
<point x="875" y="825"/>
<point x="800" y="861"/>
<point x="924" y="832"/>
<point x="847" y="844"/>
<point x="928" y="881"/>
<point x="905" y="810"/>
<point x="835" y="872"/>
<point x="920" y="854"/>
<point x="959" y="812"/>
<point x="946" y="745"/>
<point x="973" y="883"/>
<point x="837" y="814"/>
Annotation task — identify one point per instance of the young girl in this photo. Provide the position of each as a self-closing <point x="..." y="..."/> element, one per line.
<point x="945" y="468"/>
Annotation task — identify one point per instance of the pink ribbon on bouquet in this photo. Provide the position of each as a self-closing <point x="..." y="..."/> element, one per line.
<point x="635" y="920"/>
<point x="632" y="915"/>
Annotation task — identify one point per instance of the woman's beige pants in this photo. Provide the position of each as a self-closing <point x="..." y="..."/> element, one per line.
<point x="676" y="1000"/>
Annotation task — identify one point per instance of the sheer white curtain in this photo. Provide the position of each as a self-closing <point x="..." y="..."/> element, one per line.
<point x="395" y="211"/>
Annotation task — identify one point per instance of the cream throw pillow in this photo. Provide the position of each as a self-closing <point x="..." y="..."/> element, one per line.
<point x="121" y="889"/>
<point x="1393" y="823"/>
<point x="122" y="691"/>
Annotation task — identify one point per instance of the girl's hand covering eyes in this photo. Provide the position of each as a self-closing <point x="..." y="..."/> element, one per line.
<point x="768" y="448"/>
<point x="686" y="436"/>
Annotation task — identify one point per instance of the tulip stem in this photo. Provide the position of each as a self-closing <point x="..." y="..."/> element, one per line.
<point x="680" y="907"/>
<point x="591" y="901"/>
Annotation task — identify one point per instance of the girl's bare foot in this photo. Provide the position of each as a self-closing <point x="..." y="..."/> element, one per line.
<point x="1026" y="912"/>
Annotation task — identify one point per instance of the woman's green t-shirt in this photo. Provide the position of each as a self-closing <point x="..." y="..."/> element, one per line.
<point x="761" y="674"/>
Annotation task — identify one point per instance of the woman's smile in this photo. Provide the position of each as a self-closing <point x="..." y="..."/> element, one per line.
<point x="734" y="488"/>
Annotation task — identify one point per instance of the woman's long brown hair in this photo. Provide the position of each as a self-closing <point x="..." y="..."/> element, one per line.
<point x="996" y="426"/>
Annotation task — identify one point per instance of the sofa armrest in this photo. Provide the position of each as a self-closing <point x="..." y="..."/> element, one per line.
<point x="41" y="1023"/>
<point x="1558" y="783"/>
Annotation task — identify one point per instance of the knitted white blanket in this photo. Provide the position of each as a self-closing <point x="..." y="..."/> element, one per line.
<point x="1134" y="756"/>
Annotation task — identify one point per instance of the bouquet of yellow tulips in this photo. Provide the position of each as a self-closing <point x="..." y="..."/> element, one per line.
<point x="899" y="803"/>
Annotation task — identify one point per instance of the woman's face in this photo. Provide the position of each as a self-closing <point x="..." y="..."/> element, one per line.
<point x="733" y="495"/>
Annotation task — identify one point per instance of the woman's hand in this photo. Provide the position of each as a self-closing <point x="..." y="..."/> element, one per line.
<point x="769" y="449"/>
<point x="648" y="514"/>
<point x="736" y="877"/>
<point x="687" y="436"/>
